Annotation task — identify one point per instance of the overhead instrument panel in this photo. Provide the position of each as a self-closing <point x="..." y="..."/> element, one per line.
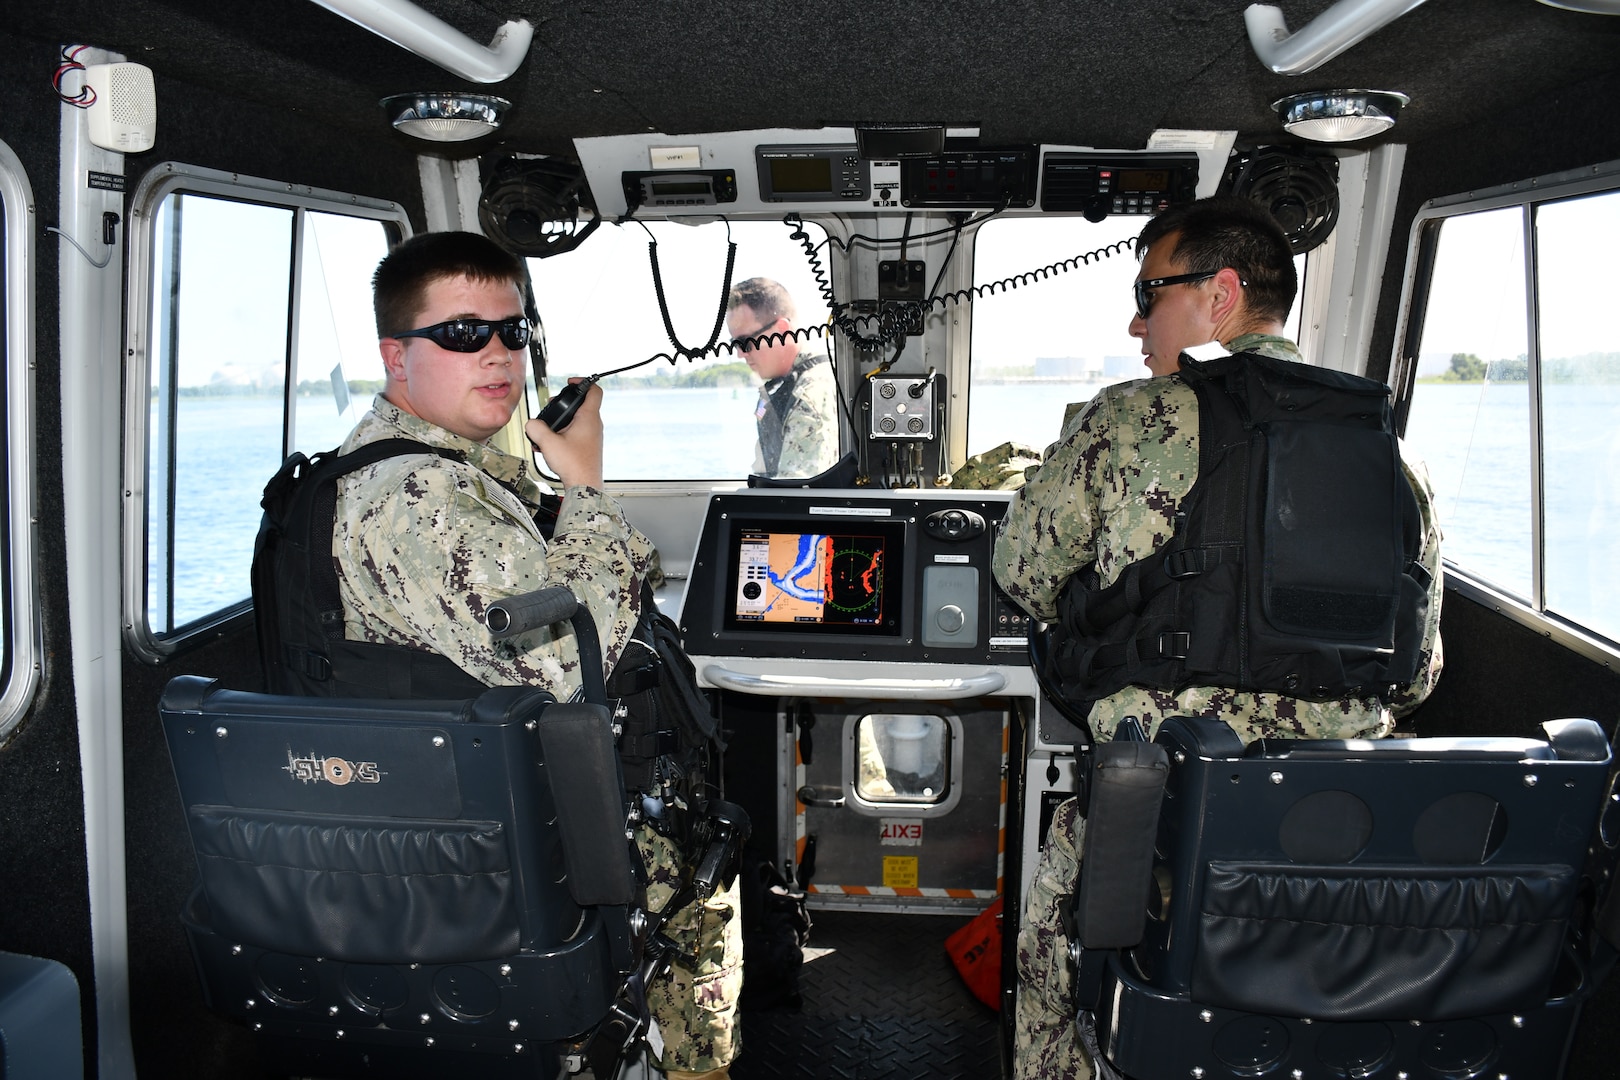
<point x="811" y="173"/>
<point x="970" y="178"/>
<point x="1104" y="183"/>
<point x="697" y="187"/>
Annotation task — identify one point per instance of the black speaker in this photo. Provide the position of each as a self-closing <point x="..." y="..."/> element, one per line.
<point x="1300" y="189"/>
<point x="534" y="206"/>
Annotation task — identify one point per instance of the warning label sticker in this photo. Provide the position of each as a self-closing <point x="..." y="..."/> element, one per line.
<point x="899" y="871"/>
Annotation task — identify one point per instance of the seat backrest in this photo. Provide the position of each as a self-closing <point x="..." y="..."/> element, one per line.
<point x="1388" y="887"/>
<point x="403" y="874"/>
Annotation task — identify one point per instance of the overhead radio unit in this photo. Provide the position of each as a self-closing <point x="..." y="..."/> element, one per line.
<point x="698" y="187"/>
<point x="811" y="173"/>
<point x="992" y="178"/>
<point x="1100" y="184"/>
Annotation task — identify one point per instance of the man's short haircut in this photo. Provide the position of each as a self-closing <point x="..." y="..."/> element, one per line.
<point x="399" y="286"/>
<point x="1227" y="230"/>
<point x="767" y="298"/>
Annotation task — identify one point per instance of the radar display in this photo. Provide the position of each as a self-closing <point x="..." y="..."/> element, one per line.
<point x="817" y="578"/>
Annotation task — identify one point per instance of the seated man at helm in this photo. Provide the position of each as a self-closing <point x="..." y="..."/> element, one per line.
<point x="423" y="544"/>
<point x="797" y="414"/>
<point x="1112" y="492"/>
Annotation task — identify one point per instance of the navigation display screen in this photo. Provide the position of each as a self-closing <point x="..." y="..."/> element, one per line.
<point x="844" y="580"/>
<point x="792" y="175"/>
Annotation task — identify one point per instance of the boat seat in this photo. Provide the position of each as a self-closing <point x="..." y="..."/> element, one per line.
<point x="405" y="888"/>
<point x="1416" y="908"/>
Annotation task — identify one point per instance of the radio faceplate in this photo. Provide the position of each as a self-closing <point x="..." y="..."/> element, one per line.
<point x="695" y="187"/>
<point x="1100" y="184"/>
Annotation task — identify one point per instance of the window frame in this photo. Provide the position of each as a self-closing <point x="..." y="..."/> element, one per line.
<point x="1422" y="248"/>
<point x="24" y="628"/>
<point x="162" y="181"/>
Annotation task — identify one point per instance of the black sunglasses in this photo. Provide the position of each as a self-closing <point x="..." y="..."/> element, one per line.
<point x="746" y="342"/>
<point x="471" y="335"/>
<point x="1144" y="298"/>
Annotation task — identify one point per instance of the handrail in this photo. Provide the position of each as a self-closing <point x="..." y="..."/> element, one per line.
<point x="775" y="685"/>
<point x="1329" y="34"/>
<point x="431" y="38"/>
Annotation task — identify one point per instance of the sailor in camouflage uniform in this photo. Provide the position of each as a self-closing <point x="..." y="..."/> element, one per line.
<point x="1107" y="494"/>
<point x="797" y="414"/>
<point x="423" y="545"/>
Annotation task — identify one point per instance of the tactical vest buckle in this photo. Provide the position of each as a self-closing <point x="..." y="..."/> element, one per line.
<point x="1175" y="644"/>
<point x="1184" y="563"/>
<point x="313" y="665"/>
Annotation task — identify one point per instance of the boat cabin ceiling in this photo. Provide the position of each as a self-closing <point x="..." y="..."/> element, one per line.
<point x="1103" y="75"/>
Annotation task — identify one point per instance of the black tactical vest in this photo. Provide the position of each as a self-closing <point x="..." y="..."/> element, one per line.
<point x="1294" y="568"/>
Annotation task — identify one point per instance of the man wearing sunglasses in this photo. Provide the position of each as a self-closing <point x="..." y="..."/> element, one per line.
<point x="424" y="543"/>
<point x="797" y="414"/>
<point x="1111" y="494"/>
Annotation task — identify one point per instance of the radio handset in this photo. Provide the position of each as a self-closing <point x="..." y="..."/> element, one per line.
<point x="559" y="412"/>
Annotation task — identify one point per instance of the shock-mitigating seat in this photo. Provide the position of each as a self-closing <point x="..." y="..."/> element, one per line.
<point x="405" y="888"/>
<point x="1414" y="908"/>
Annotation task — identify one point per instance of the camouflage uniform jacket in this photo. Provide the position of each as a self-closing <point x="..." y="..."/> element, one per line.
<point x="798" y="422"/>
<point x="424" y="544"/>
<point x="1107" y="494"/>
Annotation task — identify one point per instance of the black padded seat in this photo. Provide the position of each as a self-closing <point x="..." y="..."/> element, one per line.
<point x="1364" y="909"/>
<point x="395" y="888"/>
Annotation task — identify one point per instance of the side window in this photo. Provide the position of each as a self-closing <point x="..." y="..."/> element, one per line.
<point x="260" y="343"/>
<point x="1517" y="398"/>
<point x="19" y="612"/>
<point x="601" y="309"/>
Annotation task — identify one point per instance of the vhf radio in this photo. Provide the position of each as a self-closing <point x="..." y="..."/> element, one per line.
<point x="694" y="187"/>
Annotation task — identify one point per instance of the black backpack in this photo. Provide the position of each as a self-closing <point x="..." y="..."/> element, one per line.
<point x="296" y="604"/>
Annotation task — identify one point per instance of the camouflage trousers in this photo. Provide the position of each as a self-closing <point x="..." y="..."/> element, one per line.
<point x="1046" y="1045"/>
<point x="695" y="1001"/>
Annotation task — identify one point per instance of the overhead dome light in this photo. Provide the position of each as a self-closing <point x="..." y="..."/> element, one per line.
<point x="1336" y="116"/>
<point x="446" y="117"/>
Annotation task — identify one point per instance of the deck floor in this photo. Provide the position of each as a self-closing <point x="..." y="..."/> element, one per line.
<point x="881" y="1001"/>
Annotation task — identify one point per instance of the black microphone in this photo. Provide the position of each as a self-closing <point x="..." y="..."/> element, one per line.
<point x="559" y="411"/>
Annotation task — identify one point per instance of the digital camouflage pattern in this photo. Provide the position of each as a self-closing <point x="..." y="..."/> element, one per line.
<point x="1107" y="494"/>
<point x="423" y="545"/>
<point x="1044" y="1042"/>
<point x="808" y="426"/>
<point x="1002" y="468"/>
<point x="695" y="1002"/>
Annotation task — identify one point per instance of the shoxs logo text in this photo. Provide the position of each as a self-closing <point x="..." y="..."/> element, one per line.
<point x="312" y="768"/>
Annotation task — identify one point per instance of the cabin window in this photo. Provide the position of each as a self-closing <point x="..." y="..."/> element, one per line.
<point x="19" y="610"/>
<point x="1051" y="342"/>
<point x="1054" y="342"/>
<point x="261" y="343"/>
<point x="690" y="419"/>
<point x="1517" y="398"/>
<point x="902" y="758"/>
